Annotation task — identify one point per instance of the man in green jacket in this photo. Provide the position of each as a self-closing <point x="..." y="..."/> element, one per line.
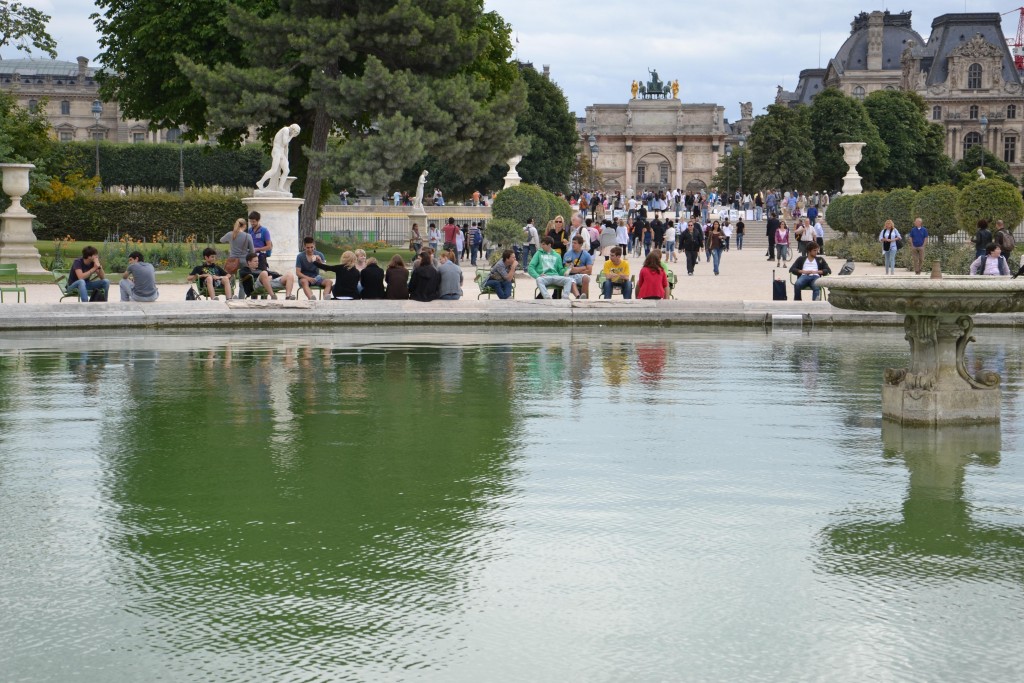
<point x="547" y="268"/>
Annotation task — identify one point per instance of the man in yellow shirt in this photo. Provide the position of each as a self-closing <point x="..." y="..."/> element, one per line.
<point x="616" y="273"/>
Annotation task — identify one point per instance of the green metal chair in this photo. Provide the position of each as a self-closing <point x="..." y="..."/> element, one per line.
<point x="671" y="283"/>
<point x="481" y="278"/>
<point x="61" y="280"/>
<point x="601" y="280"/>
<point x="10" y="271"/>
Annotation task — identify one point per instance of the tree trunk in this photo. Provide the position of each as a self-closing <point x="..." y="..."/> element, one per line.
<point x="314" y="174"/>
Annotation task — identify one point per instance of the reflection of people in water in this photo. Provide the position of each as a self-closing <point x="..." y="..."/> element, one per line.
<point x="652" y="359"/>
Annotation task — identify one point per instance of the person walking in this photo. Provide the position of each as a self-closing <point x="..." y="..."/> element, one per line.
<point x="918" y="238"/>
<point x="716" y="240"/>
<point x="888" y="237"/>
<point x="770" y="230"/>
<point x="781" y="241"/>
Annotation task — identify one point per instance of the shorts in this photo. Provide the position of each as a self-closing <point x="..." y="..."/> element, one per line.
<point x="277" y="283"/>
<point x="577" y="278"/>
<point x="318" y="280"/>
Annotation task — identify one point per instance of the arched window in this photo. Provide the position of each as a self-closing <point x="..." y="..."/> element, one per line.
<point x="972" y="112"/>
<point x="974" y="76"/>
<point x="971" y="140"/>
<point x="663" y="173"/>
<point x="858" y="92"/>
<point x="641" y="174"/>
<point x="1011" y="111"/>
<point x="65" y="108"/>
<point x="32" y="104"/>
<point x="936" y="113"/>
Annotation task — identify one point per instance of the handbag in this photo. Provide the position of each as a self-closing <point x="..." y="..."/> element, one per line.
<point x="232" y="264"/>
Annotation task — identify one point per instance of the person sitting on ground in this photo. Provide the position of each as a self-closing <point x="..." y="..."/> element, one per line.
<point x="425" y="280"/>
<point x="992" y="263"/>
<point x="253" y="275"/>
<point x="580" y="265"/>
<point x="653" y="282"/>
<point x="503" y="274"/>
<point x="397" y="279"/>
<point x="808" y="268"/>
<point x="451" y="277"/>
<point x="371" y="281"/>
<point x="547" y="269"/>
<point x="307" y="268"/>
<point x="210" y="276"/>
<point x="138" y="283"/>
<point x="616" y="274"/>
<point x="346" y="277"/>
<point x="87" y="275"/>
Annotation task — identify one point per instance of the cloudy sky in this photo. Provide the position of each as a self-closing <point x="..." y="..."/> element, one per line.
<point x="726" y="54"/>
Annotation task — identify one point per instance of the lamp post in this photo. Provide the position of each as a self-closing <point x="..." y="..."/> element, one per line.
<point x="742" y="141"/>
<point x="97" y="112"/>
<point x="728" y="158"/>
<point x="984" y="130"/>
<point x="181" y="160"/>
<point x="592" y="141"/>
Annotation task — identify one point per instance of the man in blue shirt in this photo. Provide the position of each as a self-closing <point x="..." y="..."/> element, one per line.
<point x="918" y="238"/>
<point x="579" y="264"/>
<point x="260" y="239"/>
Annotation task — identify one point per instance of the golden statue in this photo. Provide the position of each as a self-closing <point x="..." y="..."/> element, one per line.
<point x="675" y="89"/>
<point x="635" y="88"/>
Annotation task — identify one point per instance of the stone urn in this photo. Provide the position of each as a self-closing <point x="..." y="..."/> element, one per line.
<point x="936" y="388"/>
<point x="852" y="154"/>
<point x="17" y="241"/>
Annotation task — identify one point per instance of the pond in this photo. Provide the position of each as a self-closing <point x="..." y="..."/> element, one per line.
<point x="603" y="504"/>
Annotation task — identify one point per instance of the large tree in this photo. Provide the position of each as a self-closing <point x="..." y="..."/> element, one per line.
<point x="781" y="155"/>
<point x="916" y="155"/>
<point x="835" y="118"/>
<point x="25" y="28"/>
<point x="965" y="171"/>
<point x="376" y="84"/>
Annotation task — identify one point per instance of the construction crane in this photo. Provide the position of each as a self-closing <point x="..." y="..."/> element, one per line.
<point x="1018" y="43"/>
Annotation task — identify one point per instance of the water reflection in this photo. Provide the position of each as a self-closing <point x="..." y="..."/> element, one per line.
<point x="938" y="534"/>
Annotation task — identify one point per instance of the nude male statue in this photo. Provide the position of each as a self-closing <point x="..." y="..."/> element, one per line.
<point x="277" y="176"/>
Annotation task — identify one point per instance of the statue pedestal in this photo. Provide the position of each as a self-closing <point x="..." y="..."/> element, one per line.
<point x="420" y="219"/>
<point x="280" y="215"/>
<point x="512" y="179"/>
<point x="17" y="241"/>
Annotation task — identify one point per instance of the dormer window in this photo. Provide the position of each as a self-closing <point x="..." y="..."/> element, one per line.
<point x="974" y="77"/>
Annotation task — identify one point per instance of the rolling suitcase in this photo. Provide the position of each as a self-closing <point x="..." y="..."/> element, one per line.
<point x="778" y="289"/>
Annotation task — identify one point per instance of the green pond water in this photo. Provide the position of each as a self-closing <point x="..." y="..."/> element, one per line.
<point x="609" y="504"/>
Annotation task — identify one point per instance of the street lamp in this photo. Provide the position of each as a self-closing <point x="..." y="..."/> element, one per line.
<point x="181" y="160"/>
<point x="97" y="112"/>
<point x="592" y="141"/>
<point x="728" y="188"/>
<point x="742" y="141"/>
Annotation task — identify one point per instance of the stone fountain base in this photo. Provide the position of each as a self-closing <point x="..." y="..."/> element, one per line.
<point x="949" y="407"/>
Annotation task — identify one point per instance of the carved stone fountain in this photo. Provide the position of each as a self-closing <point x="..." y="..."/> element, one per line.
<point x="937" y="388"/>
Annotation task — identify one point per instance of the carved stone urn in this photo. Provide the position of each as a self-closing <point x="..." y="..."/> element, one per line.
<point x="17" y="241"/>
<point x="852" y="154"/>
<point x="936" y="388"/>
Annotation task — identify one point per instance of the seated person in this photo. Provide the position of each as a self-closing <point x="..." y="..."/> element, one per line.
<point x="254" y="276"/>
<point x="139" y="281"/>
<point x="616" y="273"/>
<point x="808" y="268"/>
<point x="425" y="281"/>
<point x="580" y="264"/>
<point x="503" y="274"/>
<point x="450" y="288"/>
<point x="211" y="276"/>
<point x="992" y="263"/>
<point x="87" y="275"/>
<point x="397" y="278"/>
<point x="346" y="282"/>
<point x="307" y="271"/>
<point x="547" y="269"/>
<point x="371" y="280"/>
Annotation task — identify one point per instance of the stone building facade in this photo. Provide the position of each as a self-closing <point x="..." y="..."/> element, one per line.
<point x="964" y="71"/>
<point x="68" y="90"/>
<point x="656" y="144"/>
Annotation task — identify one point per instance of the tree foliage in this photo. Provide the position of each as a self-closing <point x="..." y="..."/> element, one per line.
<point x="834" y="118"/>
<point x="916" y="155"/>
<point x="936" y="205"/>
<point x="24" y="138"/>
<point x="866" y="218"/>
<point x="898" y="206"/>
<point x="965" y="171"/>
<point x="504" y="232"/>
<point x="524" y="201"/>
<point x="25" y="28"/>
<point x="840" y="213"/>
<point x="727" y="175"/>
<point x="990" y="199"/>
<point x="780" y="148"/>
<point x="393" y="80"/>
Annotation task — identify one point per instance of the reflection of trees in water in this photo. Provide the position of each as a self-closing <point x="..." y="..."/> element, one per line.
<point x="939" y="534"/>
<point x="358" y="542"/>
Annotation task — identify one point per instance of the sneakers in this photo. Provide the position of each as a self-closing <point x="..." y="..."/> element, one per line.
<point x="290" y="297"/>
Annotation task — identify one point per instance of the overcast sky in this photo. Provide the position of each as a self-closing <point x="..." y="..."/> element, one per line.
<point x="724" y="54"/>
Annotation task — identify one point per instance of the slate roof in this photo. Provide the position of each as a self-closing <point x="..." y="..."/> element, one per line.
<point x="43" y="67"/>
<point x="896" y="31"/>
<point x="949" y="31"/>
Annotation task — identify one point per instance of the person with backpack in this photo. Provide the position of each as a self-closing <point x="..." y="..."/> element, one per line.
<point x="1004" y="238"/>
<point x="918" y="238"/>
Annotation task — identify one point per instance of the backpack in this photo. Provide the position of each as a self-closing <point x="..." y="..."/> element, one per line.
<point x="1006" y="241"/>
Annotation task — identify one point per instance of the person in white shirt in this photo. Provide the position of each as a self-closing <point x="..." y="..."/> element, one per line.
<point x="577" y="228"/>
<point x="819" y="235"/>
<point x="726" y="233"/>
<point x="670" y="243"/>
<point x="531" y="243"/>
<point x="622" y="236"/>
<point x="992" y="263"/>
<point x="888" y="238"/>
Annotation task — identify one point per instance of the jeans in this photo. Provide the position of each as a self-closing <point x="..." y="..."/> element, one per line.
<point x="474" y="251"/>
<point x="803" y="282"/>
<point x="717" y="255"/>
<point x="450" y="297"/>
<point x="691" y="260"/>
<point x="544" y="281"/>
<point x="739" y="241"/>
<point x="607" y="287"/>
<point x="84" y="287"/>
<point x="503" y="288"/>
<point x="782" y="253"/>
<point x="647" y="248"/>
<point x="127" y="288"/>
<point x="890" y="260"/>
<point x="757" y="213"/>
<point x="528" y="251"/>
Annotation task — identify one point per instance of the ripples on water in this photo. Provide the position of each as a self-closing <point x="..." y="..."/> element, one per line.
<point x="609" y="504"/>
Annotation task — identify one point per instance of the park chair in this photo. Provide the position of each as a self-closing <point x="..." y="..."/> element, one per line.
<point x="808" y="291"/>
<point x="601" y="278"/>
<point x="61" y="280"/>
<point x="671" y="277"/>
<point x="481" y="278"/>
<point x="312" y="288"/>
<point x="10" y="270"/>
<point x="258" y="292"/>
<point x="199" y="287"/>
<point x="556" y="292"/>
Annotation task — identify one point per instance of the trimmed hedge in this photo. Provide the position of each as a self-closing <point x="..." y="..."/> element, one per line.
<point x="936" y="205"/>
<point x="504" y="232"/>
<point x="840" y="214"/>
<point x="989" y="199"/>
<point x="898" y="205"/>
<point x="523" y="202"/>
<point x="157" y="165"/>
<point x="94" y="218"/>
<point x="865" y="213"/>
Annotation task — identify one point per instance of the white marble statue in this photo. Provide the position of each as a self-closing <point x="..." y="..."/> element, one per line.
<point x="981" y="174"/>
<point x="422" y="183"/>
<point x="277" y="177"/>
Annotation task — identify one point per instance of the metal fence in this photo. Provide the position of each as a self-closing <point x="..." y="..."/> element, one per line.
<point x="357" y="224"/>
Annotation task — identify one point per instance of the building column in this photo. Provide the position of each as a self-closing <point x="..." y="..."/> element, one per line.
<point x="956" y="139"/>
<point x="679" y="164"/>
<point x="629" y="167"/>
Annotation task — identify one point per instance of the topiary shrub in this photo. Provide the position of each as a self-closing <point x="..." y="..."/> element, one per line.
<point x="865" y="213"/>
<point x="557" y="206"/>
<point x="898" y="205"/>
<point x="521" y="203"/>
<point x="936" y="205"/>
<point x="840" y="214"/>
<point x="989" y="199"/>
<point x="502" y="233"/>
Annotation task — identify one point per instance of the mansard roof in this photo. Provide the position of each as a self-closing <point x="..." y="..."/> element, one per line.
<point x="43" y="67"/>
<point x="953" y="31"/>
<point x="896" y="32"/>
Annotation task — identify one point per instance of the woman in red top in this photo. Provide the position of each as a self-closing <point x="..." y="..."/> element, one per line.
<point x="653" y="282"/>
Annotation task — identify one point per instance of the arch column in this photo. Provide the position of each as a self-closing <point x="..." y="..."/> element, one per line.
<point x="629" y="166"/>
<point x="679" y="164"/>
